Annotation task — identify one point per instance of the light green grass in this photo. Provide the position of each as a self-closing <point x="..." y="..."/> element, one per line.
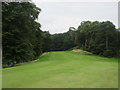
<point x="64" y="70"/>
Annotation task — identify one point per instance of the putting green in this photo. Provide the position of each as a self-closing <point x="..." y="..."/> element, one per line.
<point x="64" y="70"/>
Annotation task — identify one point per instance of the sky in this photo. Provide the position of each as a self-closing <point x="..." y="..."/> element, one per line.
<point x="57" y="17"/>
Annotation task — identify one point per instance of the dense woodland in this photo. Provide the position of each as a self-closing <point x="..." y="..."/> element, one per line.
<point x="24" y="41"/>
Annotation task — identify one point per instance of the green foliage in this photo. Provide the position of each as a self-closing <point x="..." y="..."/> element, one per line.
<point x="23" y="40"/>
<point x="108" y="53"/>
<point x="63" y="41"/>
<point x="46" y="41"/>
<point x="20" y="31"/>
<point x="98" y="37"/>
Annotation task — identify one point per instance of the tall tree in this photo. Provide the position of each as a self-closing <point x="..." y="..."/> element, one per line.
<point x="19" y="30"/>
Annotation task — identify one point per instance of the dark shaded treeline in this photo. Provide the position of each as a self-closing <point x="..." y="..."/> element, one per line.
<point x="23" y="40"/>
<point x="100" y="38"/>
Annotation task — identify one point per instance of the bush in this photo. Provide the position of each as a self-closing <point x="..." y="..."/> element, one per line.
<point x="108" y="53"/>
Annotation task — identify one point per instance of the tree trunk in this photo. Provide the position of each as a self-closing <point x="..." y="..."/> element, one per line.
<point x="90" y="41"/>
<point x="86" y="43"/>
<point x="106" y="42"/>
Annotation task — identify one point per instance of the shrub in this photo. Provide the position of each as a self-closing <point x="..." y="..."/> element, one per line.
<point x="108" y="53"/>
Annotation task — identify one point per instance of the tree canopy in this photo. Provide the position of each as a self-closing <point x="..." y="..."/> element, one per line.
<point x="21" y="33"/>
<point x="23" y="40"/>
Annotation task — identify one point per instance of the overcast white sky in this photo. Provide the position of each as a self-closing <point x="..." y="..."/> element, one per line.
<point x="57" y="17"/>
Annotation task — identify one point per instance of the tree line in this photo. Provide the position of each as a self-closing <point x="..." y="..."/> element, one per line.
<point x="23" y="40"/>
<point x="100" y="38"/>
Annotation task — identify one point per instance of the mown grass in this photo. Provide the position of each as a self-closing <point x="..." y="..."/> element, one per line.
<point x="64" y="70"/>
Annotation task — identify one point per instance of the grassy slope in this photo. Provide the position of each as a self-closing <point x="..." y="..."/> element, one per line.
<point x="64" y="70"/>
